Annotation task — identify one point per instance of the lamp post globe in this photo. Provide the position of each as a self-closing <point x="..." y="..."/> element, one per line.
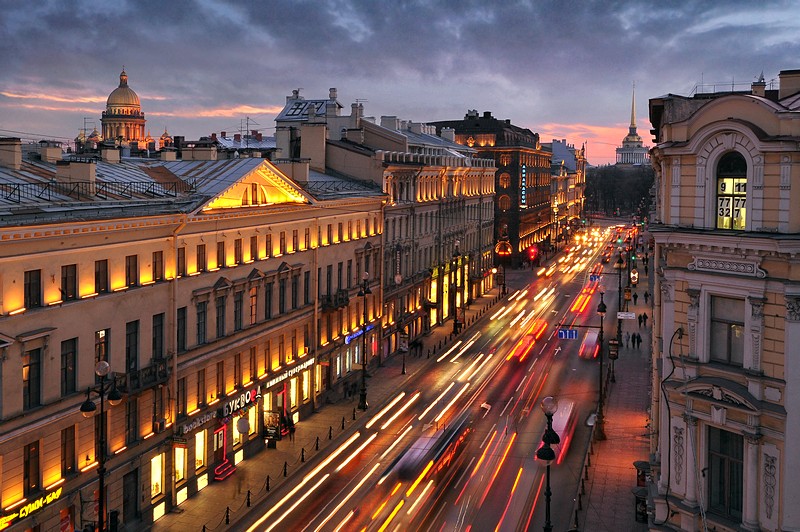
<point x="546" y="454"/>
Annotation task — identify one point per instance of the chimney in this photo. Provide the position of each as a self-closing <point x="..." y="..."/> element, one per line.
<point x="76" y="170"/>
<point x="448" y="133"/>
<point x="332" y="93"/>
<point x="50" y="151"/>
<point x="259" y="136"/>
<point x="110" y="155"/>
<point x="237" y="137"/>
<point x="222" y="134"/>
<point x="487" y="114"/>
<point x="789" y="81"/>
<point x="214" y="137"/>
<point x="11" y="152"/>
<point x="312" y="144"/>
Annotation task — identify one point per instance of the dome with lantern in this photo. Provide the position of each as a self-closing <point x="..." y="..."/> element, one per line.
<point x="123" y="120"/>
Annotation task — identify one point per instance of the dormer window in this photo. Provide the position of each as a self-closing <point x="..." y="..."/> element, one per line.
<point x="731" y="192"/>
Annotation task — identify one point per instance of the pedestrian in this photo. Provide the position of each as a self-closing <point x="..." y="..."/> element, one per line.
<point x="627" y="339"/>
<point x="644" y="318"/>
<point x="638" y="340"/>
<point x="640" y="320"/>
<point x="646" y="296"/>
<point x="635" y="298"/>
<point x="645" y="270"/>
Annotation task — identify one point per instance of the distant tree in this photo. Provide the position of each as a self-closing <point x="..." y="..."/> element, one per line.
<point x="613" y="187"/>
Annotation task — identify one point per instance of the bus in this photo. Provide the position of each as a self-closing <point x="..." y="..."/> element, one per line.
<point x="434" y="450"/>
<point x="564" y="422"/>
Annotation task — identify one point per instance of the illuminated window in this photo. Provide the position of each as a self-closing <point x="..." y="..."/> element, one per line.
<point x="306" y="385"/>
<point x="156" y="475"/>
<point x="732" y="192"/>
<point x="505" y="180"/>
<point x="504" y="202"/>
<point x="180" y="463"/>
<point x="253" y="368"/>
<point x="252" y="417"/>
<point x="293" y="391"/>
<point x="200" y="449"/>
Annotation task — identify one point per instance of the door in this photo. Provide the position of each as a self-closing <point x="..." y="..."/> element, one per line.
<point x="130" y="495"/>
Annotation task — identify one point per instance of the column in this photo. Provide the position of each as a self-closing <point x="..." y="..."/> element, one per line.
<point x="691" y="318"/>
<point x="790" y="464"/>
<point x="691" y="463"/>
<point x="751" y="485"/>
<point x="753" y="362"/>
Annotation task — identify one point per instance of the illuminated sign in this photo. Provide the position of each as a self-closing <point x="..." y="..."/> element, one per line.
<point x="288" y="373"/>
<point x="34" y="506"/>
<point x="196" y="422"/>
<point x="242" y="401"/>
<point x="352" y="336"/>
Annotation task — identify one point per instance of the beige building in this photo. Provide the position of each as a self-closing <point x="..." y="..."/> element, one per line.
<point x="726" y="381"/>
<point x="212" y="288"/>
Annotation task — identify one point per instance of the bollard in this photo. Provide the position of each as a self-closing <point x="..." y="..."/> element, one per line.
<point x="316" y="444"/>
<point x="204" y="528"/>
<point x="303" y="454"/>
<point x="354" y="414"/>
<point x="588" y="461"/>
<point x="342" y="422"/>
<point x="586" y="472"/>
<point x="227" y="515"/>
<point x="267" y="483"/>
<point x="583" y="487"/>
<point x="429" y="354"/>
<point x="248" y="498"/>
<point x="285" y="469"/>
<point x="580" y="505"/>
<point x="330" y="432"/>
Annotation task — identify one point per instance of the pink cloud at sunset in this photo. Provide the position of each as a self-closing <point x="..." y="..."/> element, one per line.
<point x="601" y="141"/>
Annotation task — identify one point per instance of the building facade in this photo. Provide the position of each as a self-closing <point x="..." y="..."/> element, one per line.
<point x="726" y="381"/>
<point x="123" y="120"/>
<point x="213" y="289"/>
<point x="523" y="203"/>
<point x="568" y="187"/>
<point x="632" y="152"/>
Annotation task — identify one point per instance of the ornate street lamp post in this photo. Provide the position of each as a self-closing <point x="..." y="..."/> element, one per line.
<point x="106" y="388"/>
<point x="546" y="453"/>
<point x="454" y="287"/>
<point x="599" y="431"/>
<point x="555" y="213"/>
<point x="364" y="292"/>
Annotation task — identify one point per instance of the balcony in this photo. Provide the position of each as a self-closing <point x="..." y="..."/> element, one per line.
<point x="337" y="300"/>
<point x="145" y="378"/>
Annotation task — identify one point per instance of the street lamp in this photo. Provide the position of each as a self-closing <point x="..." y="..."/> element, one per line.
<point x="364" y="292"/>
<point x="454" y="287"/>
<point x="555" y="213"/>
<point x="619" y="264"/>
<point x="599" y="433"/>
<point x="104" y="389"/>
<point x="546" y="453"/>
<point x="398" y="280"/>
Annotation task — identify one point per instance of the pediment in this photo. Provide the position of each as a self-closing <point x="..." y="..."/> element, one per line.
<point x="223" y="283"/>
<point x="721" y="391"/>
<point x="263" y="185"/>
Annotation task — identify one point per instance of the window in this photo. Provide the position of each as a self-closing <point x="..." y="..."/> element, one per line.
<point x="731" y="192"/>
<point x="282" y="249"/>
<point x="158" y="265"/>
<point x="181" y="325"/>
<point x="69" y="353"/>
<point x="307" y="238"/>
<point x="238" y="309"/>
<point x="268" y="248"/>
<point x="725" y="472"/>
<point x="132" y="270"/>
<point x="31" y="379"/>
<point x="31" y="471"/>
<point x="504" y="202"/>
<point x="131" y="420"/>
<point x="156" y="475"/>
<point x="238" y="257"/>
<point x="505" y="180"/>
<point x="33" y="289"/>
<point x="220" y="378"/>
<point x="201" y="321"/>
<point x="253" y="248"/>
<point x="220" y="308"/>
<point x="340" y="232"/>
<point x="201" y="258"/>
<point x="295" y="290"/>
<point x="181" y="398"/>
<point x="329" y="278"/>
<point x="101" y="276"/>
<point x="295" y="240"/>
<point x="102" y="339"/>
<point x="329" y="235"/>
<point x="237" y="369"/>
<point x="306" y="287"/>
<point x="339" y="274"/>
<point x="253" y="294"/>
<point x="158" y="335"/>
<point x="69" y="282"/>
<point x="180" y="463"/>
<point x="349" y="273"/>
<point x="221" y="255"/>
<point x="132" y="346"/>
<point x="200" y="449"/>
<point x="68" y="451"/>
<point x="727" y="330"/>
<point x="253" y="368"/>
<point x="281" y="296"/>
<point x="181" y="266"/>
<point x="201" y="387"/>
<point x="268" y="301"/>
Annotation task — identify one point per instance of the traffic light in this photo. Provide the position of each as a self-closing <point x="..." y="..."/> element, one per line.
<point x="619" y="240"/>
<point x="533" y="251"/>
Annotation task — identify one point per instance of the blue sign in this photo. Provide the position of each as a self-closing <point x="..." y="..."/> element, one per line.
<point x="568" y="334"/>
<point x="352" y="336"/>
<point x="594" y="277"/>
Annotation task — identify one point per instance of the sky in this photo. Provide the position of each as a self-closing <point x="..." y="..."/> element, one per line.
<point x="563" y="69"/>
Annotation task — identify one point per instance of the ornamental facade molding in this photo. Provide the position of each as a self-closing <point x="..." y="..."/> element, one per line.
<point x="737" y="267"/>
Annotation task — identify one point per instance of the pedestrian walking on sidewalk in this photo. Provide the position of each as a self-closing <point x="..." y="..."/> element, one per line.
<point x="646" y="296"/>
<point x="627" y="339"/>
<point x="644" y="318"/>
<point x="640" y="320"/>
<point x="635" y="298"/>
<point x="638" y="341"/>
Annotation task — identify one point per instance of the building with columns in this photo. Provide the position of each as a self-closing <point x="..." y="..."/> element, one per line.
<point x="123" y="119"/>
<point x="632" y="152"/>
<point x="726" y="315"/>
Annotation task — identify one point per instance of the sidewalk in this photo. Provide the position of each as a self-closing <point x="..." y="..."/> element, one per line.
<point x="221" y="504"/>
<point x="609" y="504"/>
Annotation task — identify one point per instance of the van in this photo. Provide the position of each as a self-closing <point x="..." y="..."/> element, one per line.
<point x="590" y="346"/>
<point x="564" y="422"/>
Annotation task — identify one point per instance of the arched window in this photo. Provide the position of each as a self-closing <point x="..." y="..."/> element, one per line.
<point x="731" y="192"/>
<point x="505" y="180"/>
<point x="504" y="202"/>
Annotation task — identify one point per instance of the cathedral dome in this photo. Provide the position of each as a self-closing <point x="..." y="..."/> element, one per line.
<point x="123" y="96"/>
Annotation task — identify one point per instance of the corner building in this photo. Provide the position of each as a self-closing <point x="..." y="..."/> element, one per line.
<point x="200" y="283"/>
<point x="726" y="381"/>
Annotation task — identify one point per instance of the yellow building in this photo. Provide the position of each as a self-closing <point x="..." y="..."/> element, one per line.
<point x="206" y="285"/>
<point x="726" y="387"/>
<point x="123" y="119"/>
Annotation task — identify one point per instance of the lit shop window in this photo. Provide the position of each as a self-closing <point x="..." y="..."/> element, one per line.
<point x="156" y="475"/>
<point x="180" y="463"/>
<point x="200" y="449"/>
<point x="252" y="416"/>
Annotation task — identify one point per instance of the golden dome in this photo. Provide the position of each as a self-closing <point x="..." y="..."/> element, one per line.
<point x="123" y="96"/>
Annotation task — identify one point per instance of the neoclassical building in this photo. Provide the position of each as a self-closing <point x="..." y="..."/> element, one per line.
<point x="726" y="380"/>
<point x="123" y="119"/>
<point x="632" y="152"/>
